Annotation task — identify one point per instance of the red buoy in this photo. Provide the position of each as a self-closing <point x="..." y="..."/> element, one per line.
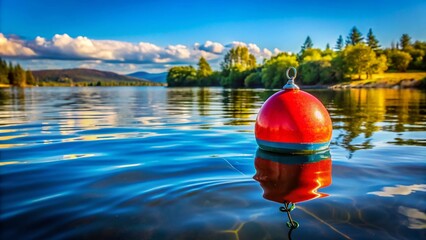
<point x="292" y="178"/>
<point x="293" y="121"/>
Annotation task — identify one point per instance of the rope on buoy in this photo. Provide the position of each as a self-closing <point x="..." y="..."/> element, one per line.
<point x="288" y="208"/>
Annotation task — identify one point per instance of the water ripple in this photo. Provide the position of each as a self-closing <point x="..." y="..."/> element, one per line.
<point x="159" y="163"/>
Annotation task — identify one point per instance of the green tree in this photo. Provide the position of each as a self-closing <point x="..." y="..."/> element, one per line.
<point x="214" y="78"/>
<point x="338" y="68"/>
<point x="181" y="76"/>
<point x="4" y="70"/>
<point x="358" y="59"/>
<point x="235" y="77"/>
<point x="316" y="66"/>
<point x="254" y="80"/>
<point x="339" y="43"/>
<point x="274" y="70"/>
<point x="237" y="64"/>
<point x="16" y="75"/>
<point x="307" y="44"/>
<point x="328" y="52"/>
<point x="405" y="41"/>
<point x="11" y="74"/>
<point x="372" y="41"/>
<point x="30" y="78"/>
<point x="204" y="71"/>
<point x="378" y="65"/>
<point x="399" y="60"/>
<point x="238" y="57"/>
<point x="311" y="54"/>
<point x="313" y="72"/>
<point x="419" y="55"/>
<point x="21" y="76"/>
<point x="354" y="37"/>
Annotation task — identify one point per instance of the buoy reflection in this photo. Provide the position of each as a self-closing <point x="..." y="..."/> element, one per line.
<point x="292" y="178"/>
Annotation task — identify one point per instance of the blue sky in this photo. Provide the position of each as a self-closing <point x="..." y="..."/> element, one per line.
<point x="108" y="34"/>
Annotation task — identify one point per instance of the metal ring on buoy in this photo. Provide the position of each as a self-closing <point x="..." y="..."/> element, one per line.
<point x="290" y="83"/>
<point x="295" y="72"/>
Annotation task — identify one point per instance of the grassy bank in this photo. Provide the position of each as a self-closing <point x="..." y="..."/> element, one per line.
<point x="388" y="80"/>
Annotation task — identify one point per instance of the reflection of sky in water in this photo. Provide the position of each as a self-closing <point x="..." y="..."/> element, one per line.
<point x="399" y="190"/>
<point x="178" y="164"/>
<point x="416" y="219"/>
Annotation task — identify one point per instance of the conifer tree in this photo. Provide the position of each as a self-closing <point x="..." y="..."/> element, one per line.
<point x="339" y="43"/>
<point x="405" y="41"/>
<point x="4" y="70"/>
<point x="354" y="37"/>
<point x="30" y="79"/>
<point x="11" y="74"/>
<point x="19" y="76"/>
<point x="307" y="44"/>
<point x="372" y="42"/>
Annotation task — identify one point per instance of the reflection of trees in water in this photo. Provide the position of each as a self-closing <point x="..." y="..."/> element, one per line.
<point x="203" y="99"/>
<point x="179" y="100"/>
<point x="240" y="105"/>
<point x="358" y="112"/>
<point x="5" y="99"/>
<point x="13" y="105"/>
<point x="405" y="108"/>
<point x="18" y="98"/>
<point x="264" y="95"/>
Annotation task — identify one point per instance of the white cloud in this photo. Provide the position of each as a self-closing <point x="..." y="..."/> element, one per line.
<point x="64" y="47"/>
<point x="11" y="48"/>
<point x="179" y="51"/>
<point x="236" y="44"/>
<point x="212" y="47"/>
<point x="267" y="53"/>
<point x="253" y="48"/>
<point x="40" y="41"/>
<point x="276" y="51"/>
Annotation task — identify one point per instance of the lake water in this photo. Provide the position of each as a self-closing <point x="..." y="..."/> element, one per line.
<point x="162" y="163"/>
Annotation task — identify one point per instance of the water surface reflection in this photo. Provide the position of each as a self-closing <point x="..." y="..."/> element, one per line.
<point x="159" y="163"/>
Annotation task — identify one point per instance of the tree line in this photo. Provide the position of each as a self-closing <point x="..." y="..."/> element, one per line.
<point x="15" y="75"/>
<point x="354" y="58"/>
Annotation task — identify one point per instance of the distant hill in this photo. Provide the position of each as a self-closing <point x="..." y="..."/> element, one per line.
<point x="89" y="76"/>
<point x="155" y="77"/>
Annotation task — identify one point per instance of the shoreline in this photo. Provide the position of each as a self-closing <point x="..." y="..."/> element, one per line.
<point x="413" y="80"/>
<point x="403" y="84"/>
<point x="410" y="80"/>
<point x="399" y="84"/>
